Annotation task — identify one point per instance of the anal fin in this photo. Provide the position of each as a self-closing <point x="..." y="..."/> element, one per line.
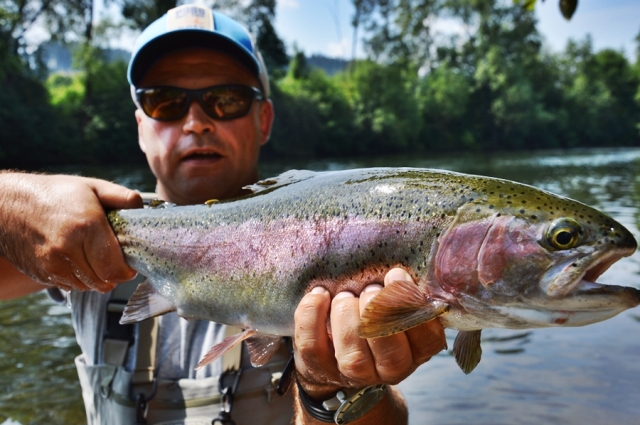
<point x="467" y="350"/>
<point x="227" y="344"/>
<point x="398" y="306"/>
<point x="145" y="302"/>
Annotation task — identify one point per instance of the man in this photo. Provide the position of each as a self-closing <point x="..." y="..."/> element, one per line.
<point x="203" y="112"/>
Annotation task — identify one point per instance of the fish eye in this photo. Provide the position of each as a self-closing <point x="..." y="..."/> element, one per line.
<point x="564" y="233"/>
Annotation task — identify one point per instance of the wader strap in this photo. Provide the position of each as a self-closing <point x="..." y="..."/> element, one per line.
<point x="146" y="352"/>
<point x="118" y="337"/>
<point x="231" y="360"/>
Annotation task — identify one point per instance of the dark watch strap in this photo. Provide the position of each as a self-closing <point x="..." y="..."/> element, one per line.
<point x="314" y="408"/>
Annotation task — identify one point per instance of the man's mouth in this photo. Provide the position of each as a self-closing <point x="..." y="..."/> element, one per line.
<point x="202" y="156"/>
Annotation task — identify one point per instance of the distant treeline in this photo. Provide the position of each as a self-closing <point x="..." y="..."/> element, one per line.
<point x="496" y="88"/>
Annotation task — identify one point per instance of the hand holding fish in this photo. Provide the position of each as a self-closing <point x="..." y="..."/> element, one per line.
<point x="63" y="239"/>
<point x="330" y="356"/>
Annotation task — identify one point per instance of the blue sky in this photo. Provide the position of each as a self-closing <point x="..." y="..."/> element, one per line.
<point x="323" y="26"/>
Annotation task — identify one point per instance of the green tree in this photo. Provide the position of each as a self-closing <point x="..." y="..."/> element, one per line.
<point x="31" y="131"/>
<point x="383" y="101"/>
<point x="140" y="13"/>
<point x="398" y="30"/>
<point x="599" y="89"/>
<point x="314" y="117"/>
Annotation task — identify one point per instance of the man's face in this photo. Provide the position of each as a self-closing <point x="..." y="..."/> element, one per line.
<point x="197" y="158"/>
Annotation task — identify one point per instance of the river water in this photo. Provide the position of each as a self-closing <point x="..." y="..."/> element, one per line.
<point x="566" y="376"/>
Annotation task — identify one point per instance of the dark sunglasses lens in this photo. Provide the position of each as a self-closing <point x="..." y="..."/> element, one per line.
<point x="227" y="103"/>
<point x="164" y="103"/>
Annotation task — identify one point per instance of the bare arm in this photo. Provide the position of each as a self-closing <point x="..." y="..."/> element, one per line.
<point x="327" y="362"/>
<point x="54" y="232"/>
<point x="14" y="283"/>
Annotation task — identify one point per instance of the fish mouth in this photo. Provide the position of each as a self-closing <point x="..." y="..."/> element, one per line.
<point x="575" y="275"/>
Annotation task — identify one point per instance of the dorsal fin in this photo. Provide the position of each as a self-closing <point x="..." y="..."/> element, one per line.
<point x="284" y="179"/>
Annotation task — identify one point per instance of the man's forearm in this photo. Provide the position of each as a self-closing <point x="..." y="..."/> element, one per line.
<point x="390" y="410"/>
<point x="14" y="283"/>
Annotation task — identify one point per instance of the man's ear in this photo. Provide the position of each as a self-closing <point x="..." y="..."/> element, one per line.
<point x="139" y="116"/>
<point x="266" y="120"/>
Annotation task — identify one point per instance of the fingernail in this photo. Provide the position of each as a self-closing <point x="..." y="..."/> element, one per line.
<point x="344" y="295"/>
<point x="319" y="290"/>
<point x="372" y="288"/>
<point x="399" y="274"/>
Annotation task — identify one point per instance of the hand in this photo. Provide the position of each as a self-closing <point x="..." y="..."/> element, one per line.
<point x="53" y="228"/>
<point x="328" y="360"/>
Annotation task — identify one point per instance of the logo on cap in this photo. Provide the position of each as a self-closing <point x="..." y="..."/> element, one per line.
<point x="189" y="16"/>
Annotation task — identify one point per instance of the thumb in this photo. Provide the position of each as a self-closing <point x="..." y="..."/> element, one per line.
<point x="114" y="196"/>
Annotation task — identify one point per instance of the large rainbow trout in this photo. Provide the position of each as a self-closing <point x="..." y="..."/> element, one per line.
<point x="483" y="252"/>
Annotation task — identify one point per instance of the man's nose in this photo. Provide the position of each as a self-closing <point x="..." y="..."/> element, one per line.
<point x="197" y="121"/>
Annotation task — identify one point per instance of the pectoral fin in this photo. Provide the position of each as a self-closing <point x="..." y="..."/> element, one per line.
<point x="467" y="350"/>
<point x="397" y="307"/>
<point x="145" y="303"/>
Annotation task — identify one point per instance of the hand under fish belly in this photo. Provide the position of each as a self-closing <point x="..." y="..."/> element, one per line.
<point x="483" y="252"/>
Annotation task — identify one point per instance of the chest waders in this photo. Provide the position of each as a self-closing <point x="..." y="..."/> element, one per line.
<point x="115" y="396"/>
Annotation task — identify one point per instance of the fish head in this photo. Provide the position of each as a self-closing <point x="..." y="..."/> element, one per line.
<point x="519" y="257"/>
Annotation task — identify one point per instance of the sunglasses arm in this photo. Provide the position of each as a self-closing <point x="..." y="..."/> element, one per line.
<point x="132" y="91"/>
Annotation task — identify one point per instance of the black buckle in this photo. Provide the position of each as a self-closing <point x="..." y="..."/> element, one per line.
<point x="141" y="400"/>
<point x="227" y="392"/>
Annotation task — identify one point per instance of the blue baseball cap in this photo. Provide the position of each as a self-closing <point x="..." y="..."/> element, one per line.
<point x="195" y="26"/>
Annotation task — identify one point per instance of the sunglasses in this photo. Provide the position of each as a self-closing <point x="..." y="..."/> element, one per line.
<point x="226" y="102"/>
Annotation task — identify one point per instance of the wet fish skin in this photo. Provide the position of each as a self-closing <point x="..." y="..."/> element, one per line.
<point x="484" y="252"/>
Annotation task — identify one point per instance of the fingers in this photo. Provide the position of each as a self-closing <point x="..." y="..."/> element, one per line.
<point x="425" y="340"/>
<point x="114" y="196"/>
<point x="104" y="256"/>
<point x="314" y="356"/>
<point x="55" y="230"/>
<point x="393" y="354"/>
<point x="397" y="274"/>
<point x="366" y="361"/>
<point x="101" y="247"/>
<point x="347" y="360"/>
<point x="355" y="359"/>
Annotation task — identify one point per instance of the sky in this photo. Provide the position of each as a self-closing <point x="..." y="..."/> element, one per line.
<point x="323" y="26"/>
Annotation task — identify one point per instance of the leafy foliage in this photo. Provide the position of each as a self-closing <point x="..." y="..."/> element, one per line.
<point x="491" y="87"/>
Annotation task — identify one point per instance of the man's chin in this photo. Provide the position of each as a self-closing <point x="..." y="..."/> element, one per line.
<point x="204" y="188"/>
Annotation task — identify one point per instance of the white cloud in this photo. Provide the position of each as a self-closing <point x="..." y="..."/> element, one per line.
<point x="339" y="49"/>
<point x="289" y="4"/>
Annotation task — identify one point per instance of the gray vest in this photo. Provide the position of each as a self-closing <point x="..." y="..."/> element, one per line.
<point x="121" y="384"/>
